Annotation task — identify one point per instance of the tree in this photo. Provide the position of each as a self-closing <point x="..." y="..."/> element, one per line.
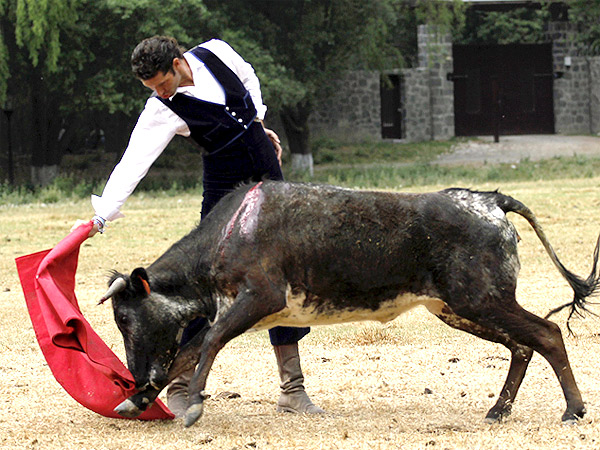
<point x="524" y="25"/>
<point x="585" y="14"/>
<point x="31" y="51"/>
<point x="111" y="97"/>
<point x="311" y="42"/>
<point x="69" y="62"/>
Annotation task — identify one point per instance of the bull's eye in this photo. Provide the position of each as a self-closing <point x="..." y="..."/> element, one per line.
<point x="123" y="320"/>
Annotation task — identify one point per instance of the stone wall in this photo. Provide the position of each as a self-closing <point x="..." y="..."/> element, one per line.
<point x="577" y="92"/>
<point x="595" y="94"/>
<point x="435" y="56"/>
<point x="572" y="101"/>
<point x="416" y="119"/>
<point x="353" y="111"/>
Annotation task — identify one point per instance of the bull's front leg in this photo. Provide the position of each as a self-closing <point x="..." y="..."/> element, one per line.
<point x="186" y="359"/>
<point x="251" y="305"/>
<point x="137" y="403"/>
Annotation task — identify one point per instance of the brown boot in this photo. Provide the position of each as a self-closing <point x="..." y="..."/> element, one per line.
<point x="177" y="394"/>
<point x="293" y="397"/>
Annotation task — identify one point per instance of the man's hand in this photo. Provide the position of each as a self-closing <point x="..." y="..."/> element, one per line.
<point x="275" y="141"/>
<point x="80" y="222"/>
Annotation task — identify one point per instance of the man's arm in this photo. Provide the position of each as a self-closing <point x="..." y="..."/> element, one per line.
<point x="155" y="128"/>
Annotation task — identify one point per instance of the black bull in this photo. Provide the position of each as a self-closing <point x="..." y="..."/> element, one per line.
<point x="292" y="254"/>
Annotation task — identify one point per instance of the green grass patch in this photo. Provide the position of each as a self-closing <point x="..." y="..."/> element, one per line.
<point x="376" y="165"/>
<point x="398" y="175"/>
<point x="327" y="151"/>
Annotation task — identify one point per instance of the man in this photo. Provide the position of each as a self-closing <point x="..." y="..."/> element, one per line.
<point x="213" y="96"/>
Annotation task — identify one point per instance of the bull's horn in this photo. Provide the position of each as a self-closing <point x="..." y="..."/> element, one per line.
<point x="116" y="286"/>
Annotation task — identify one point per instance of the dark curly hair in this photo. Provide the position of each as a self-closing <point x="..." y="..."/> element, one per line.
<point x="154" y="54"/>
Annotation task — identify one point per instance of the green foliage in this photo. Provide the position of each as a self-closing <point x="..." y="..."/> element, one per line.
<point x="446" y="16"/>
<point x="519" y="25"/>
<point x="4" y="69"/>
<point x="37" y="26"/>
<point x="367" y="165"/>
<point x="109" y="85"/>
<point x="309" y="42"/>
<point x="278" y="85"/>
<point x="585" y="14"/>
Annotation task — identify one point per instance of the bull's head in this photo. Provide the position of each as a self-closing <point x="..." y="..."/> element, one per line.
<point x="150" y="325"/>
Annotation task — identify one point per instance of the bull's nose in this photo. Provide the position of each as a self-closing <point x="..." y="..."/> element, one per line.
<point x="158" y="378"/>
<point x="142" y="386"/>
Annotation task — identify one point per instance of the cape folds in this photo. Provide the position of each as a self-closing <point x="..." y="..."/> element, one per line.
<point x="78" y="358"/>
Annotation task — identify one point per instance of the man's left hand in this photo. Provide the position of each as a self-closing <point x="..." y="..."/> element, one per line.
<point x="275" y="141"/>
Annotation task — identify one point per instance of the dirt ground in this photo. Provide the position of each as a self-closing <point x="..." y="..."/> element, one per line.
<point x="512" y="149"/>
<point x="412" y="383"/>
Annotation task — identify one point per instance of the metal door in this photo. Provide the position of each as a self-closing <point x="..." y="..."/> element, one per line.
<point x="505" y="89"/>
<point x="391" y="107"/>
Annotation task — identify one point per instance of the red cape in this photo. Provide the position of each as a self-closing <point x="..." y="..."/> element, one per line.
<point x="80" y="361"/>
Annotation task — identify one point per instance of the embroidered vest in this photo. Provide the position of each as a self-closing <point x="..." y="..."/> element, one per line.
<point x="214" y="126"/>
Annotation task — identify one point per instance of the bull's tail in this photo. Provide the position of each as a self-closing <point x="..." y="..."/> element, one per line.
<point x="582" y="288"/>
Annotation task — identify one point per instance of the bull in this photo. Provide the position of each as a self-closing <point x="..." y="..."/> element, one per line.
<point x="279" y="253"/>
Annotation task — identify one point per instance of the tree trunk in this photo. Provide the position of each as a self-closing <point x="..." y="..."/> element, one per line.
<point x="117" y="130"/>
<point x="46" y="151"/>
<point x="295" y="124"/>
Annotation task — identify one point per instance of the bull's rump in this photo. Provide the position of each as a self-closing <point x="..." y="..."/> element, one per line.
<point x="343" y="255"/>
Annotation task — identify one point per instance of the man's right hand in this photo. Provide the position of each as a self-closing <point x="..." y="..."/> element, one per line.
<point x="80" y="222"/>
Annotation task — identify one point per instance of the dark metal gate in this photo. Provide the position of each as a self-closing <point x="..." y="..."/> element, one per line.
<point x="503" y="89"/>
<point x="391" y="107"/>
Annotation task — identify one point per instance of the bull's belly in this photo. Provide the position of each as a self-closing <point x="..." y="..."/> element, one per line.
<point x="297" y="314"/>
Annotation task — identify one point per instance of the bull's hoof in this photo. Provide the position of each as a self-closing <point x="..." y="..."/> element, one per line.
<point x="192" y="414"/>
<point x="498" y="413"/>
<point x="128" y="409"/>
<point x="573" y="418"/>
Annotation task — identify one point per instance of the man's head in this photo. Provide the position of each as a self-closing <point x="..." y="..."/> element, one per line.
<point x="154" y="55"/>
<point x="157" y="63"/>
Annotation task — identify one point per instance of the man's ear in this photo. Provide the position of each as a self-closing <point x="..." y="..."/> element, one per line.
<point x="176" y="64"/>
<point x="140" y="281"/>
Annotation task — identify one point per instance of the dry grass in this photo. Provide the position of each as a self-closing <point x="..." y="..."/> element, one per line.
<point x="413" y="383"/>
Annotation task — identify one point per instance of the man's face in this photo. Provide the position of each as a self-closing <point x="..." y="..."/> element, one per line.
<point x="165" y="84"/>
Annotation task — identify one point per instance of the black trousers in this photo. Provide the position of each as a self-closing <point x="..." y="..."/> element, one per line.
<point x="250" y="158"/>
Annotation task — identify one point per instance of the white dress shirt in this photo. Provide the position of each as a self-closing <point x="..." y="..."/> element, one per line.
<point x="158" y="124"/>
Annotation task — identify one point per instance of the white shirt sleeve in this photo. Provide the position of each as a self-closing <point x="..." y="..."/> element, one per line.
<point x="242" y="69"/>
<point x="155" y="128"/>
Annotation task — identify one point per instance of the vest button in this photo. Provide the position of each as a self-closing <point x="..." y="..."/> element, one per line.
<point x="233" y="114"/>
<point x="240" y="120"/>
<point x="227" y="108"/>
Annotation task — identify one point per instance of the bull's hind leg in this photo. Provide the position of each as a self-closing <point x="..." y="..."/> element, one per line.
<point x="542" y="336"/>
<point x="545" y="338"/>
<point x="520" y="357"/>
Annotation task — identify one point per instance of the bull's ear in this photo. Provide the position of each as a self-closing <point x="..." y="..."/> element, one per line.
<point x="140" y="281"/>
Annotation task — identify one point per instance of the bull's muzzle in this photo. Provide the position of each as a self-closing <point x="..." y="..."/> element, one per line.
<point x="137" y="403"/>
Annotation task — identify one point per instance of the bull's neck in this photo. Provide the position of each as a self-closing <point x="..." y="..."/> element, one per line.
<point x="183" y="275"/>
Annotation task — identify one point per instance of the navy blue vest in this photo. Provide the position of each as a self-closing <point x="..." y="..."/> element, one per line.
<point x="211" y="125"/>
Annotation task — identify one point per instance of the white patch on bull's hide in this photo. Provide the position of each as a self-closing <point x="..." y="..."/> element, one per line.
<point x="223" y="303"/>
<point x="295" y="314"/>
<point x="480" y="205"/>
